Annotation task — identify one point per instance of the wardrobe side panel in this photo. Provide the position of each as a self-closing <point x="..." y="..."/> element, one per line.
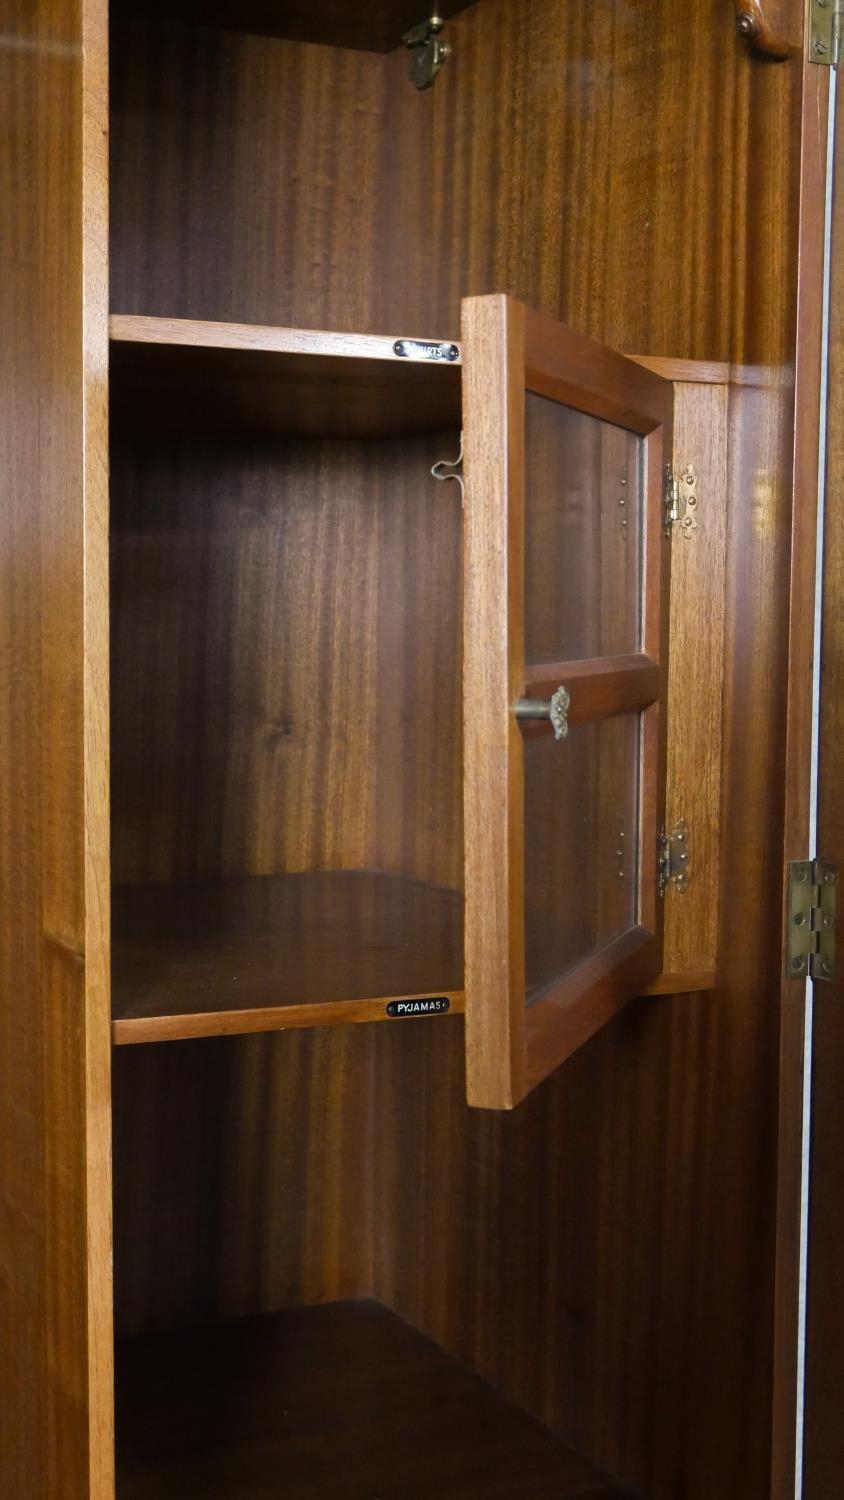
<point x="55" y="1186"/>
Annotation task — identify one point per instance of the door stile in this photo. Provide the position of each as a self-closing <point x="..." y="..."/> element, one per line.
<point x="494" y="424"/>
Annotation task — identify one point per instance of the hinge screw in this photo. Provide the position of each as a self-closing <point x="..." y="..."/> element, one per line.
<point x="829" y="877"/>
<point x="820" y="47"/>
<point x="798" y="963"/>
<point x="826" y="966"/>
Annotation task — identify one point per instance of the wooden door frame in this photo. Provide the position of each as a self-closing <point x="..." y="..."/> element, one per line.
<point x="509" y="350"/>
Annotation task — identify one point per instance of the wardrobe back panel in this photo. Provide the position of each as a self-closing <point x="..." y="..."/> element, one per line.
<point x="286" y="680"/>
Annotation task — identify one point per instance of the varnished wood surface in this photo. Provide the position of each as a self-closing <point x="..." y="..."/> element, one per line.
<point x="799" y="715"/>
<point x="188" y="333"/>
<point x="598" y="687"/>
<point x="261" y="380"/>
<point x="55" y="1169"/>
<point x="493" y="672"/>
<point x="284" y="950"/>
<point x="508" y="349"/>
<point x="824" y="1441"/>
<point x="376" y="27"/>
<point x="773" y="27"/>
<point x="622" y="1221"/>
<point x="286" y="632"/>
<point x="338" y="1401"/>
<point x="695" y="678"/>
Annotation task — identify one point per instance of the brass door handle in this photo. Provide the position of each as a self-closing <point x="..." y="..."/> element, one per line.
<point x="555" y="708"/>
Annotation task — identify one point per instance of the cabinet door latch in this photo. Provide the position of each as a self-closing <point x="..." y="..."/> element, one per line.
<point x="427" y="50"/>
<point x="674" y="857"/>
<point x="811" y="919"/>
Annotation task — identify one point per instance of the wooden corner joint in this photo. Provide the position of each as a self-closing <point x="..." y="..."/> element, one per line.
<point x="773" y="27"/>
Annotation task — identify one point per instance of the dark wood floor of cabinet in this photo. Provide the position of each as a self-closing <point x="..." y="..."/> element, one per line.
<point x="343" y="1402"/>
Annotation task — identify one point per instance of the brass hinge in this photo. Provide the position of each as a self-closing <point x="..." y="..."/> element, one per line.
<point x="681" y="500"/>
<point x="811" y="919"/>
<point x="673" y="858"/>
<point x="826" y="30"/>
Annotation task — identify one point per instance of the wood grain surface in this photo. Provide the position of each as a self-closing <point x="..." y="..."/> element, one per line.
<point x="376" y="27"/>
<point x="55" y="1168"/>
<point x="621" y="1222"/>
<point x="337" y="1401"/>
<point x="286" y="632"/>
<point x="773" y="27"/>
<point x="695" y="677"/>
<point x="260" y="954"/>
<point x="286" y="381"/>
<point x="824" y="1441"/>
<point x="798" y="735"/>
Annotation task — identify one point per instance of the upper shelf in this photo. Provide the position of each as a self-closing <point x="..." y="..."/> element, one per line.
<point x="376" y="27"/>
<point x="280" y="380"/>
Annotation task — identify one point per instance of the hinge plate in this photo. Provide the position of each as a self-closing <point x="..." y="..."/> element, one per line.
<point x="825" y="32"/>
<point x="811" y="919"/>
<point x="681" y="500"/>
<point x="674" y="857"/>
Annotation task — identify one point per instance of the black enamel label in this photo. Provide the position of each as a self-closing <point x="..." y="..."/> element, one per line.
<point x="402" y="1009"/>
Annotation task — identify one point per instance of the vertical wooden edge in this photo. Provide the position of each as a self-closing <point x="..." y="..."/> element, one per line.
<point x="696" y="677"/>
<point x="798" y="730"/>
<point x="493" y="417"/>
<point x="656" y="564"/>
<point x="96" y="750"/>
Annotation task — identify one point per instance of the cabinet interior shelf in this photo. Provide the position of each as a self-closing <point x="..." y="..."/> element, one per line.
<point x="341" y="1401"/>
<point x="261" y="380"/>
<point x="377" y="27"/>
<point x="267" y="952"/>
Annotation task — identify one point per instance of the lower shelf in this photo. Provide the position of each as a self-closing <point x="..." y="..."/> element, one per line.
<point x="343" y="1402"/>
<point x="273" y="951"/>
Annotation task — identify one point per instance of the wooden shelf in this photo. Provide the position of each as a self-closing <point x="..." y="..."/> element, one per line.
<point x="276" y="951"/>
<point x="376" y="27"/>
<point x="280" y="381"/>
<point x="343" y="1402"/>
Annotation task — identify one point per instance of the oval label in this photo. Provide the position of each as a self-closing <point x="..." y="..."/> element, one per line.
<point x="405" y="1009"/>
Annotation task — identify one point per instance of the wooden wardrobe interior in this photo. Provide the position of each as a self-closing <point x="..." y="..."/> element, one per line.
<point x="590" y="1254"/>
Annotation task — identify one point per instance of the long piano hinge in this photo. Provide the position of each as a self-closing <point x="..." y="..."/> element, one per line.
<point x="826" y="30"/>
<point x="811" y="919"/>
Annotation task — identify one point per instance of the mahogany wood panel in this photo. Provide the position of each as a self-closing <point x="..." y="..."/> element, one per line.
<point x="798" y="734"/>
<point x="337" y="1401"/>
<point x="55" y="1170"/>
<point x="376" y="26"/>
<point x="493" y="669"/>
<point x="695" y="678"/>
<point x="285" y="950"/>
<point x="286" y="629"/>
<point x="621" y="1222"/>
<point x="243" y="1174"/>
<point x="824" y="1443"/>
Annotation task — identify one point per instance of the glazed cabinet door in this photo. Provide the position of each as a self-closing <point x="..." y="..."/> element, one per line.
<point x="565" y="619"/>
